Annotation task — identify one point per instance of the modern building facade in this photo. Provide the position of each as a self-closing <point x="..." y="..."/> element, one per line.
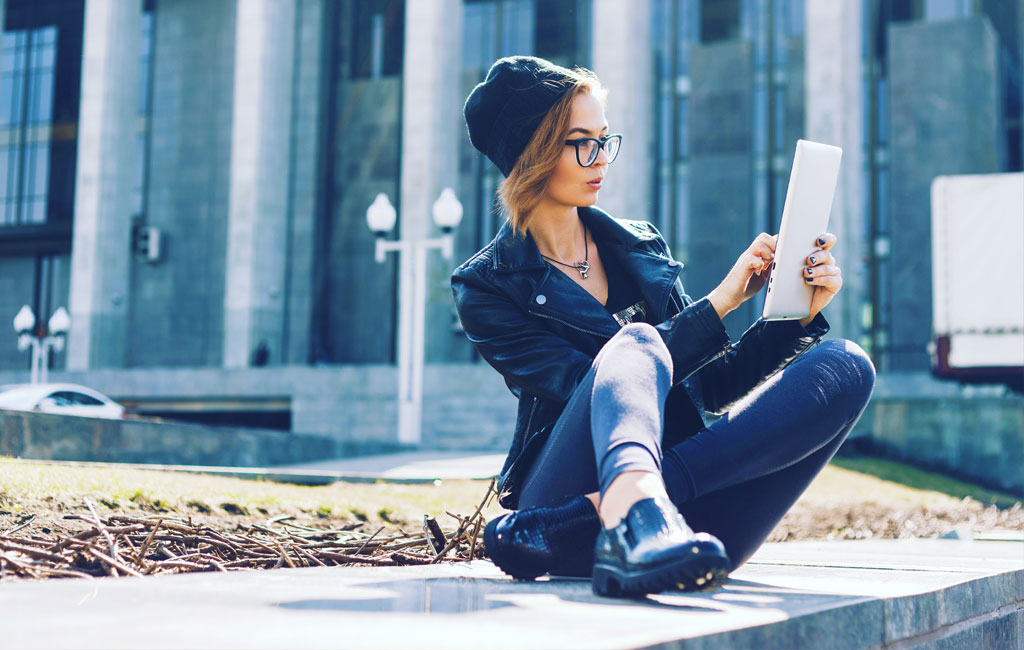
<point x="191" y="177"/>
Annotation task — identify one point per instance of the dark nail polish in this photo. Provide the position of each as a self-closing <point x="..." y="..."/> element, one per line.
<point x="808" y="279"/>
<point x="821" y="241"/>
<point x="812" y="260"/>
<point x="810" y="271"/>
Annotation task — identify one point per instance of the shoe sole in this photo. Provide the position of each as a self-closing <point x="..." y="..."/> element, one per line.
<point x="699" y="573"/>
<point x="500" y="559"/>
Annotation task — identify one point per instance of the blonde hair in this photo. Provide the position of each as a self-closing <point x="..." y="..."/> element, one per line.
<point x="525" y="185"/>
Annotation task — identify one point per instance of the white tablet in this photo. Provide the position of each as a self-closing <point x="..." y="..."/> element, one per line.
<point x="812" y="183"/>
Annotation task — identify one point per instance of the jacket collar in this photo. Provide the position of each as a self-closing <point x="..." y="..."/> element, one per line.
<point x="567" y="301"/>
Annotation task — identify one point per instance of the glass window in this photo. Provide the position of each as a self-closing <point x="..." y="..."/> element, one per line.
<point x="41" y="170"/>
<point x="479" y="35"/>
<point x="43" y="97"/>
<point x="517" y="27"/>
<point x="556" y="35"/>
<point x="794" y="11"/>
<point x="378" y="35"/>
<point x="719" y="20"/>
<point x="75" y="398"/>
<point x="4" y="154"/>
<point x="7" y="82"/>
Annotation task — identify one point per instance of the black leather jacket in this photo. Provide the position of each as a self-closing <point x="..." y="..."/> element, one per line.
<point x="542" y="331"/>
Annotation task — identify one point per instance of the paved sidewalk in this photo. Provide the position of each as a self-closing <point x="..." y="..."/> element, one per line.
<point x="409" y="466"/>
<point x="405" y="467"/>
<point x="908" y="593"/>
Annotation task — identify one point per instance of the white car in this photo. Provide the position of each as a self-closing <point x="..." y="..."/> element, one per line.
<point x="66" y="399"/>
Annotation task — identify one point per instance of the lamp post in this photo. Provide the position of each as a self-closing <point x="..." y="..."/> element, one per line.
<point x="412" y="307"/>
<point x="39" y="341"/>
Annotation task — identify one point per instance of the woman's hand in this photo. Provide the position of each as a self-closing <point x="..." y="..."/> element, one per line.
<point x="747" y="276"/>
<point x="823" y="273"/>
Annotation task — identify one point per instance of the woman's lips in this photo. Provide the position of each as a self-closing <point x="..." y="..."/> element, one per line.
<point x="595" y="184"/>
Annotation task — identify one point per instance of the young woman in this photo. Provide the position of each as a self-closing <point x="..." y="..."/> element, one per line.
<point x="611" y="466"/>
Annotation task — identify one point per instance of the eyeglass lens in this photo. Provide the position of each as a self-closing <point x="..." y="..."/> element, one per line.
<point x="589" y="148"/>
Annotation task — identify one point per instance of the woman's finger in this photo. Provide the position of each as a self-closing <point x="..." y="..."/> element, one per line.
<point x="820" y="257"/>
<point x="753" y="261"/>
<point x="825" y="241"/>
<point x="767" y="240"/>
<point x="822" y="271"/>
<point x="831" y="283"/>
<point x="762" y="250"/>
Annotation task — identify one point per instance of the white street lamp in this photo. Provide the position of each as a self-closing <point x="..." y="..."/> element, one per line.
<point x="60" y="322"/>
<point x="41" y="343"/>
<point x="25" y="321"/>
<point x="381" y="217"/>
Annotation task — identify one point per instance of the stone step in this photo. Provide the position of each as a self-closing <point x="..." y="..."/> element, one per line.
<point x="820" y="595"/>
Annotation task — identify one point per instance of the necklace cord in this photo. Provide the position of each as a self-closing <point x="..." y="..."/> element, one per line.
<point x="577" y="265"/>
<point x="584" y="266"/>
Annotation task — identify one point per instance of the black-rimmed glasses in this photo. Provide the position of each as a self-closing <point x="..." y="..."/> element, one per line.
<point x="587" y="149"/>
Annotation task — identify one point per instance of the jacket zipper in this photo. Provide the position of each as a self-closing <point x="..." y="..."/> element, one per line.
<point x="529" y="419"/>
<point x="568" y="324"/>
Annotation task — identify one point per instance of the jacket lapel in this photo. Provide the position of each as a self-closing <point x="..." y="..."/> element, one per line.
<point x="653" y="273"/>
<point x="556" y="296"/>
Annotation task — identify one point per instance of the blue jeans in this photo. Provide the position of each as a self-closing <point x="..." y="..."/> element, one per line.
<point x="735" y="478"/>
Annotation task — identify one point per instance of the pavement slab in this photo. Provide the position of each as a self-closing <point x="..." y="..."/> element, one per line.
<point x="849" y="594"/>
<point x="409" y="466"/>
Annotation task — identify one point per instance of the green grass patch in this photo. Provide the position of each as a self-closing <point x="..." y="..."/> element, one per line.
<point x="920" y="479"/>
<point x="35" y="486"/>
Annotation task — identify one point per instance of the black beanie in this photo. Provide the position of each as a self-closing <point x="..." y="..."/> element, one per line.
<point x="503" y="112"/>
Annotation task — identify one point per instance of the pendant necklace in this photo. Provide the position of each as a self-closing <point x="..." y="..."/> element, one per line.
<point x="583" y="266"/>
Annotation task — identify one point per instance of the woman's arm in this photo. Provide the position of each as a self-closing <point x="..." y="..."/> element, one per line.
<point x="764" y="349"/>
<point x="513" y="343"/>
<point x="767" y="347"/>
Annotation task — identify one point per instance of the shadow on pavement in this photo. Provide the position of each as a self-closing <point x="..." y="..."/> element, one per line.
<point x="468" y="595"/>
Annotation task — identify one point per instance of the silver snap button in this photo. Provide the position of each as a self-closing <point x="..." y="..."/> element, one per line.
<point x="541" y="299"/>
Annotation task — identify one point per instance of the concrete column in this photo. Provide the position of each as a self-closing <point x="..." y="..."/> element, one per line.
<point x="306" y="145"/>
<point x="105" y="173"/>
<point x="258" y="195"/>
<point x="622" y="59"/>
<point x="432" y="126"/>
<point x="834" y="113"/>
<point x="945" y="118"/>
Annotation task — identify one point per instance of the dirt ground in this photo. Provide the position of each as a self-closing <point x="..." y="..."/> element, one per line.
<point x="807" y="520"/>
<point x="43" y="503"/>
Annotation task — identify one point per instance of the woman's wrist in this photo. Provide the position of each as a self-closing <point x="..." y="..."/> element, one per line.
<point x="721" y="305"/>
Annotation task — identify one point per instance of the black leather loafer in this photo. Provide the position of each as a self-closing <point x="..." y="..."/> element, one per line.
<point x="557" y="539"/>
<point x="652" y="550"/>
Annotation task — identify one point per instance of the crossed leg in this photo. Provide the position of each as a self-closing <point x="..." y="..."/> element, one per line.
<point x="736" y="478"/>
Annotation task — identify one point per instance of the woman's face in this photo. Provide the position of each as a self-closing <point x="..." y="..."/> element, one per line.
<point x="571" y="184"/>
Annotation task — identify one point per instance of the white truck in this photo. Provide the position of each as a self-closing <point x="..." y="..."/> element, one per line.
<point x="978" y="299"/>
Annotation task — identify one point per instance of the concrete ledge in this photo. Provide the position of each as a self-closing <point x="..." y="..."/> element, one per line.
<point x="858" y="594"/>
<point x="46" y="436"/>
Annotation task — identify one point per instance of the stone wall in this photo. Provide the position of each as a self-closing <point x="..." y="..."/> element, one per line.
<point x="176" y="307"/>
<point x="465" y="406"/>
<point x="45" y="436"/>
<point x="976" y="433"/>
